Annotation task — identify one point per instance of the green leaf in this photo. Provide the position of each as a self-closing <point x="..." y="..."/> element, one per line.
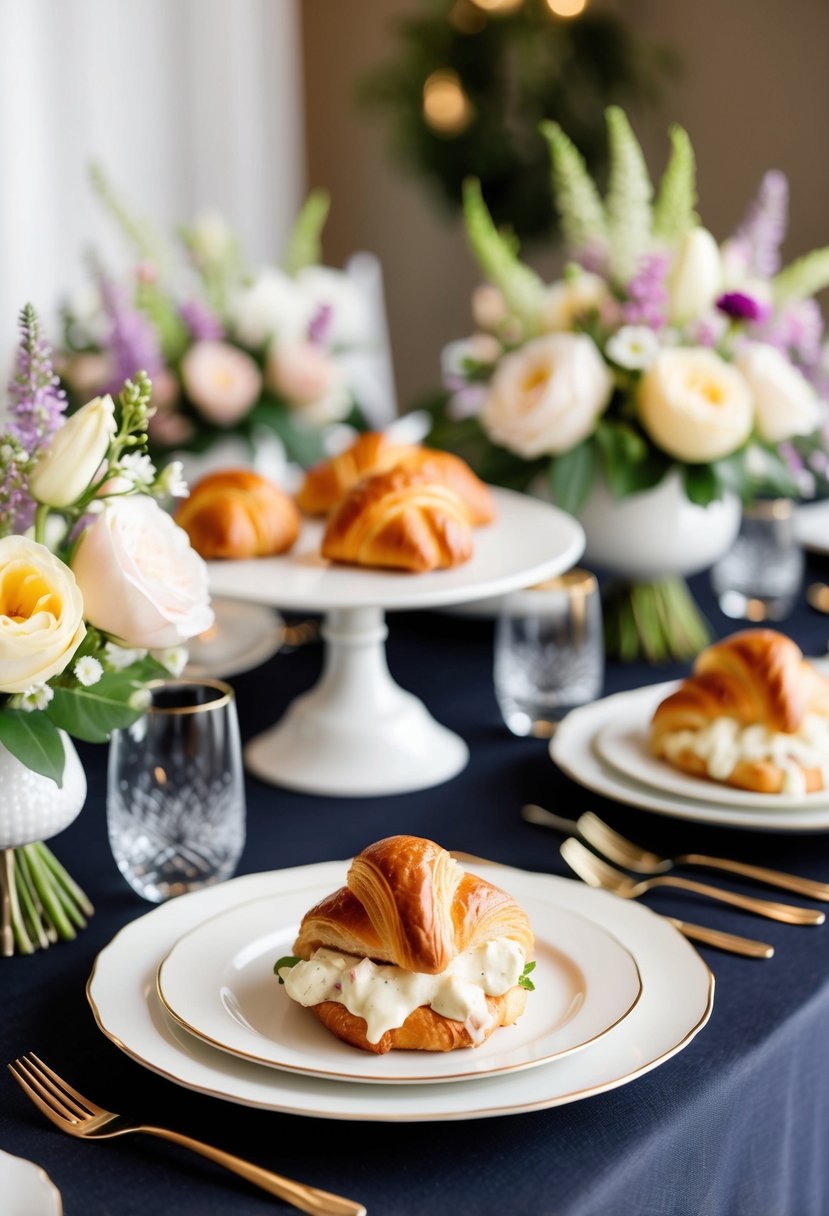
<point x="94" y="713"/>
<point x="628" y="199"/>
<point x="702" y="485"/>
<point x="573" y="475"/>
<point x="34" y="739"/>
<point x="289" y="960"/>
<point x="524" y="981"/>
<point x="578" y="201"/>
<point x="305" y="242"/>
<point x="629" y="463"/>
<point x="521" y="287"/>
<point x="673" y="212"/>
<point x="804" y="277"/>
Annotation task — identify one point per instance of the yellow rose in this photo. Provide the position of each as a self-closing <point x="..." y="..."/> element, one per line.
<point x="694" y="405"/>
<point x="65" y="469"/>
<point x="41" y="614"/>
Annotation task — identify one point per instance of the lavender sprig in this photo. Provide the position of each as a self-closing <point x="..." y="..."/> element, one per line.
<point x="133" y="342"/>
<point x="761" y="233"/>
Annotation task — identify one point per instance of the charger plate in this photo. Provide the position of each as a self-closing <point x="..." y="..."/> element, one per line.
<point x="676" y="1002"/>
<point x="218" y="983"/>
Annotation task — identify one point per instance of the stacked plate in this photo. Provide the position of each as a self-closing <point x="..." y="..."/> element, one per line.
<point x="188" y="991"/>
<point x="604" y="746"/>
<point x="26" y="1189"/>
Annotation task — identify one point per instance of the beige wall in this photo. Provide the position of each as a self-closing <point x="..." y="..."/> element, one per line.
<point x="754" y="94"/>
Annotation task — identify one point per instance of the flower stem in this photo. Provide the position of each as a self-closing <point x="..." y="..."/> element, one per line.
<point x="41" y="515"/>
<point x="40" y="903"/>
<point x="657" y="622"/>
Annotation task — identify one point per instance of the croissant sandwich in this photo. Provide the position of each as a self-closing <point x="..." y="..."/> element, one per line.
<point x="237" y="513"/>
<point x="412" y="953"/>
<point x="403" y="520"/>
<point x="328" y="483"/>
<point x="754" y="714"/>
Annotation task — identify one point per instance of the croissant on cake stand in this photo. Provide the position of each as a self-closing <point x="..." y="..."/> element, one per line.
<point x="409" y="912"/>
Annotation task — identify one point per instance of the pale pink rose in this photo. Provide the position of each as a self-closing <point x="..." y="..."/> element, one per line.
<point x="141" y="581"/>
<point x="88" y="373"/>
<point x="309" y="379"/>
<point x="222" y="381"/>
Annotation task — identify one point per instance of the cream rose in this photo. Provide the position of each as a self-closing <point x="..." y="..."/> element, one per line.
<point x="565" y="302"/>
<point x="222" y="381"/>
<point x="310" y="380"/>
<point x="695" y="278"/>
<point x="140" y="579"/>
<point x="784" y="401"/>
<point x="547" y="397"/>
<point x="694" y="405"/>
<point x="41" y="614"/>
<point x="66" y="467"/>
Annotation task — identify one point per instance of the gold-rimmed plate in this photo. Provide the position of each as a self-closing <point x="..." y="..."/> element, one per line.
<point x="218" y="984"/>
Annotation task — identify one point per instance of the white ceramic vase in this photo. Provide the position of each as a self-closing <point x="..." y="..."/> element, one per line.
<point x="32" y="807"/>
<point x="659" y="533"/>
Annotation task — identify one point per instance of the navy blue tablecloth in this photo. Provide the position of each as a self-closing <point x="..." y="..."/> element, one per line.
<point x="736" y="1124"/>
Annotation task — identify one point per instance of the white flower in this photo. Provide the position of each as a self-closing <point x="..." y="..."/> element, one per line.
<point x="271" y="306"/>
<point x="480" y="348"/>
<point x="572" y="298"/>
<point x="171" y="480"/>
<point x="174" y="658"/>
<point x="210" y="237"/>
<point x="119" y="657"/>
<point x="138" y="467"/>
<point x="88" y="671"/>
<point x="633" y="347"/>
<point x="36" y="697"/>
<point x="349" y="322"/>
<point x="784" y="401"/>
<point x="547" y="397"/>
<point x="140" y="699"/>
<point x="694" y="405"/>
<point x="67" y="466"/>
<point x="695" y="278"/>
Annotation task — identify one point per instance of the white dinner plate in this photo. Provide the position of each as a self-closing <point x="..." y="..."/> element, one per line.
<point x="811" y="526"/>
<point x="528" y="541"/>
<point x="623" y="744"/>
<point x="574" y="749"/>
<point x="242" y="636"/>
<point x="218" y="983"/>
<point x="26" y="1189"/>
<point x="676" y="1002"/>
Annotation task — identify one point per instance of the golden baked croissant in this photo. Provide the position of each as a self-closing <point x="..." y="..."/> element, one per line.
<point x="754" y="714"/>
<point x="409" y="904"/>
<point x="402" y="520"/>
<point x="236" y="513"/>
<point x="328" y="483"/>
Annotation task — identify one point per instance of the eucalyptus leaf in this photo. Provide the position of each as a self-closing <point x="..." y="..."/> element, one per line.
<point x="35" y="741"/>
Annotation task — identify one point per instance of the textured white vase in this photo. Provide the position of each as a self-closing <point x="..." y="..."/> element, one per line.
<point x="658" y="533"/>
<point x="32" y="807"/>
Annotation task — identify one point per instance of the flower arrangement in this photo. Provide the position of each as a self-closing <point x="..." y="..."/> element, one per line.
<point x="99" y="589"/>
<point x="658" y="350"/>
<point x="230" y="351"/>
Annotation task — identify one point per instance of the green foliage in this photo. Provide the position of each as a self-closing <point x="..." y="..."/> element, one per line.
<point x="302" y="444"/>
<point x="522" y="288"/>
<point x="93" y="713"/>
<point x="629" y="463"/>
<point x="579" y="205"/>
<point x="673" y="211"/>
<point x="34" y="740"/>
<point x="524" y="980"/>
<point x="305" y="243"/>
<point x="628" y="198"/>
<point x="804" y="277"/>
<point x="289" y="960"/>
<point x="573" y="475"/>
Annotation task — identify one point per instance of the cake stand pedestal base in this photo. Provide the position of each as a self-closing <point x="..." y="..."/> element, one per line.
<point x="357" y="733"/>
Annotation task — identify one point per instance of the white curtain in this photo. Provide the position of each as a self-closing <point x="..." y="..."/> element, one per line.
<point x="186" y="104"/>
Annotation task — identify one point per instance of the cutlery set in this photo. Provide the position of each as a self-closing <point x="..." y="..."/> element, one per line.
<point x="593" y="866"/>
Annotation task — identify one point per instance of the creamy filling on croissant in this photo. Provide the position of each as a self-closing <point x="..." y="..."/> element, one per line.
<point x="723" y="743"/>
<point x="385" y="995"/>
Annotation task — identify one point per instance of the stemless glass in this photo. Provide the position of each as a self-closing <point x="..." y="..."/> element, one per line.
<point x="175" y="796"/>
<point x="759" y="578"/>
<point x="549" y="652"/>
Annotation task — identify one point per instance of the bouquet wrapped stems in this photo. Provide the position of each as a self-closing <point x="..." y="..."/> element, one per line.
<point x="657" y="621"/>
<point x="39" y="902"/>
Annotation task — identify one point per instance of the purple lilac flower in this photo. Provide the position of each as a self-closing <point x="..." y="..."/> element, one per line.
<point x="761" y="233"/>
<point x="133" y="342"/>
<point x="742" y="307"/>
<point x="201" y="321"/>
<point x="797" y="331"/>
<point x="320" y="325"/>
<point x="647" y="294"/>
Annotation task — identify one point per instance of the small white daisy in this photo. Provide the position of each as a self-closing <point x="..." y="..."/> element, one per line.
<point x="119" y="657"/>
<point x="37" y="697"/>
<point x="171" y="480"/>
<point x="174" y="658"/>
<point x="88" y="670"/>
<point x="140" y="699"/>
<point x="634" y="347"/>
<point x="138" y="467"/>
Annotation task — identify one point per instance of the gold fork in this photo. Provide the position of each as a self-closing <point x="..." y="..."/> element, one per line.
<point x="599" y="874"/>
<point x="77" y="1115"/>
<point x="633" y="857"/>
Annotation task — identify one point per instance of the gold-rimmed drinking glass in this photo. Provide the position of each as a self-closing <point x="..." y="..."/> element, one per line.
<point x="175" y="793"/>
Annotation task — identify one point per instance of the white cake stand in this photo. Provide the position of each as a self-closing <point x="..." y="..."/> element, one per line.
<point x="357" y="732"/>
